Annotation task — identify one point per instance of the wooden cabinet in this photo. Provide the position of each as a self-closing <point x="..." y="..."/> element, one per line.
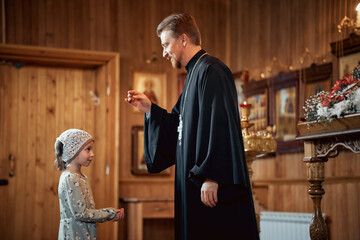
<point x="137" y="210"/>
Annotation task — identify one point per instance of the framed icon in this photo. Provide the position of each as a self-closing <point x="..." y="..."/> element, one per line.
<point x="138" y="158"/>
<point x="153" y="85"/>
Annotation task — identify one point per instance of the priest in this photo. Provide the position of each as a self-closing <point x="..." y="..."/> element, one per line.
<point x="202" y="137"/>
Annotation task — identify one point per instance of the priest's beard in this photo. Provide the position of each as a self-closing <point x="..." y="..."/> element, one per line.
<point x="175" y="63"/>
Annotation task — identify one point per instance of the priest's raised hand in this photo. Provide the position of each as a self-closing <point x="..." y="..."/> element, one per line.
<point x="139" y="101"/>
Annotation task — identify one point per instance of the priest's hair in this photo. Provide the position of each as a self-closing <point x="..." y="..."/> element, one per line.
<point x="179" y="24"/>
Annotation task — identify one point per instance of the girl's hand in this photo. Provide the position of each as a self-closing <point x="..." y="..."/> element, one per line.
<point x="119" y="215"/>
<point x="139" y="101"/>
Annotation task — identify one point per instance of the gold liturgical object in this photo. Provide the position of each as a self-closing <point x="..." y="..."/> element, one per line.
<point x="257" y="144"/>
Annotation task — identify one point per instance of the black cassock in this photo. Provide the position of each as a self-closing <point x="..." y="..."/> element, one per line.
<point x="211" y="147"/>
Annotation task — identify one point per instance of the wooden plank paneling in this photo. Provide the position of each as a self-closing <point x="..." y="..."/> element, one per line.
<point x="31" y="120"/>
<point x="61" y="108"/>
<point x="34" y="22"/>
<point x="14" y="111"/>
<point x="6" y="92"/>
<point x="78" y="100"/>
<point x="68" y="101"/>
<point x="41" y="157"/>
<point x="22" y="148"/>
<point x="40" y="25"/>
<point x="89" y="108"/>
<point x="51" y="177"/>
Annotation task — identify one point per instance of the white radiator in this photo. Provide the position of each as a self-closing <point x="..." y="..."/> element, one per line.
<point x="285" y="225"/>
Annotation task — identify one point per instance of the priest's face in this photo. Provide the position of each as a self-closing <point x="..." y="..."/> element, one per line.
<point x="172" y="48"/>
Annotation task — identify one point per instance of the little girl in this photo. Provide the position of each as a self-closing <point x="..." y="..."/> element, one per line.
<point x="74" y="149"/>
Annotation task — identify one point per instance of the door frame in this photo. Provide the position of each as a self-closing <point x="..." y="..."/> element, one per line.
<point x="107" y="61"/>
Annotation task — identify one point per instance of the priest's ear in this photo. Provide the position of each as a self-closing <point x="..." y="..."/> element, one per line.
<point x="184" y="39"/>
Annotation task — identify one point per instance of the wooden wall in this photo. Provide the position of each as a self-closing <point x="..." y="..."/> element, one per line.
<point x="264" y="29"/>
<point x="244" y="34"/>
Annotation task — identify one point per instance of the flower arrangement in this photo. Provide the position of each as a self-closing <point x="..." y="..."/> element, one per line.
<point x="343" y="99"/>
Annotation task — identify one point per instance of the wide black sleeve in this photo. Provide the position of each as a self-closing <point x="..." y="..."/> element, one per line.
<point x="220" y="150"/>
<point x="160" y="138"/>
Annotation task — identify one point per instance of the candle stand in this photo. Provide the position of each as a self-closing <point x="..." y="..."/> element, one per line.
<point x="256" y="144"/>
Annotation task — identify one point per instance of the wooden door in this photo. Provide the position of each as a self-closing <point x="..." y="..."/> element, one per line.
<point x="37" y="104"/>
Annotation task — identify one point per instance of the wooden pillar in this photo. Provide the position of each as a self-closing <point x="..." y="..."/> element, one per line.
<point x="135" y="221"/>
<point x="315" y="175"/>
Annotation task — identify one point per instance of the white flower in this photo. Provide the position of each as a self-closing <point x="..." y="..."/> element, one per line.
<point x="355" y="98"/>
<point x="323" y="111"/>
<point x="340" y="108"/>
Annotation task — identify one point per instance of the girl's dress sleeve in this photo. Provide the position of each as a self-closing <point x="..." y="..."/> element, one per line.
<point x="81" y="202"/>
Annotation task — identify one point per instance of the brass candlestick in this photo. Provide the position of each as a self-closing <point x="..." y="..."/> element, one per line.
<point x="256" y="145"/>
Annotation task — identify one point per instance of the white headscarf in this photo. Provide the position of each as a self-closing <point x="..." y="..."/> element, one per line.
<point x="73" y="141"/>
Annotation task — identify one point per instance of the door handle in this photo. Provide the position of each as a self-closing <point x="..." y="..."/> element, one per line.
<point x="12" y="165"/>
<point x="4" y="182"/>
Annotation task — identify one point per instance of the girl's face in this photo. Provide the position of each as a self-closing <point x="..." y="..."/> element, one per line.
<point x="85" y="156"/>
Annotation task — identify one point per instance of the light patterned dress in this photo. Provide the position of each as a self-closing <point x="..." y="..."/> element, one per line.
<point x="77" y="208"/>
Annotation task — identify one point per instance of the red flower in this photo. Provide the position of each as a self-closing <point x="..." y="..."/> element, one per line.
<point x="325" y="101"/>
<point x="336" y="87"/>
<point x="347" y="80"/>
<point x="355" y="80"/>
<point x="339" y="98"/>
<point x="331" y="95"/>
